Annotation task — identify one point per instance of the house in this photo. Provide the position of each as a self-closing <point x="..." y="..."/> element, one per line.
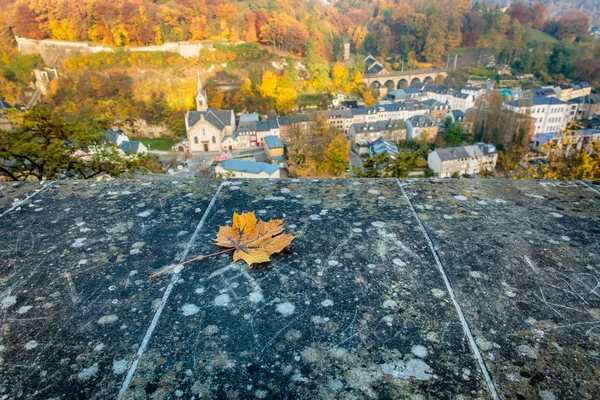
<point x="383" y="146"/>
<point x="4" y="124"/>
<point x="249" y="117"/>
<point x="437" y="109"/>
<point x="134" y="147"/>
<point x="374" y="67"/>
<point x="248" y="169"/>
<point x="577" y="139"/>
<point x="587" y="106"/>
<point x="549" y="113"/>
<point x="462" y="101"/>
<point x="273" y="147"/>
<point x="474" y="91"/>
<point x="340" y="119"/>
<point x="463" y="160"/>
<point x="367" y="132"/>
<point x="455" y="116"/>
<point x="421" y="127"/>
<point x="115" y="137"/>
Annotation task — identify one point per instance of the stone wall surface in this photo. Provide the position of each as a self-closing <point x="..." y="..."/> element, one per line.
<point x="392" y="289"/>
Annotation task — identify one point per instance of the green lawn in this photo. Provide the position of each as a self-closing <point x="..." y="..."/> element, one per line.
<point x="535" y="35"/>
<point x="163" y="144"/>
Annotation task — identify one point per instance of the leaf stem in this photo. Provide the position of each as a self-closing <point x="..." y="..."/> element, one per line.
<point x="189" y="261"/>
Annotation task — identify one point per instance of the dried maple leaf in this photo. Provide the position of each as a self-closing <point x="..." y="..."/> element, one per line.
<point x="253" y="240"/>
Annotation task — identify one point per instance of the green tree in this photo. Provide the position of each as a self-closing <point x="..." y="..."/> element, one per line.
<point x="43" y="145"/>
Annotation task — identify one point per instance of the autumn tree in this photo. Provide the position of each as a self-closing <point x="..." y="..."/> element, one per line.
<point x="43" y="145"/>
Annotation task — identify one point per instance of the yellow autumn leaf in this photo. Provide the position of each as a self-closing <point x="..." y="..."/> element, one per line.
<point x="254" y="240"/>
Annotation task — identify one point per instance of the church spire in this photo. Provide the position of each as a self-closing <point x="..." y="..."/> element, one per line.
<point x="201" y="100"/>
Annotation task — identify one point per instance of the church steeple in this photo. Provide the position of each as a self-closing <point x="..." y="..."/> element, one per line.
<point x="201" y="100"/>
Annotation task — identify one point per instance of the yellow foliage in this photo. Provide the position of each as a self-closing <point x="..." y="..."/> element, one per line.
<point x="268" y="87"/>
<point x="369" y="98"/>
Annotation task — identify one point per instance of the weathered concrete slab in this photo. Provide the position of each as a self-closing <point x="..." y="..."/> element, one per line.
<point x="524" y="260"/>
<point x="355" y="309"/>
<point x="74" y="289"/>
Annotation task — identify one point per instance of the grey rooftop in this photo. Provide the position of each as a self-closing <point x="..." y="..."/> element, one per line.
<point x="392" y="289"/>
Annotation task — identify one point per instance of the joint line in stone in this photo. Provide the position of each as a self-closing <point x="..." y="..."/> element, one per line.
<point x="25" y="199"/>
<point x="461" y="316"/>
<point x="589" y="187"/>
<point x="165" y="298"/>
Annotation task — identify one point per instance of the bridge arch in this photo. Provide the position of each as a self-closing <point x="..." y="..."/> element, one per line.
<point x="390" y="85"/>
<point x="415" y="81"/>
<point x="402" y="83"/>
<point x="439" y="79"/>
<point x="428" y="80"/>
<point x="375" y="85"/>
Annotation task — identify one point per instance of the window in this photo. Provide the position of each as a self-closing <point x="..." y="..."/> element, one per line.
<point x="195" y="140"/>
<point x="203" y="131"/>
<point x="214" y="140"/>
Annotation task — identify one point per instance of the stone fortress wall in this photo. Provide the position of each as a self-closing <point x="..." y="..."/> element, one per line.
<point x="53" y="52"/>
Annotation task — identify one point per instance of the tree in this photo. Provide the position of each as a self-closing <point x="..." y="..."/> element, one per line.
<point x="369" y="98"/>
<point x="455" y="133"/>
<point x="43" y="145"/>
<point x="338" y="154"/>
<point x="340" y="75"/>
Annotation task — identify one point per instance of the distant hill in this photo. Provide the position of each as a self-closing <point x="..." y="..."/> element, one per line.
<point x="558" y="8"/>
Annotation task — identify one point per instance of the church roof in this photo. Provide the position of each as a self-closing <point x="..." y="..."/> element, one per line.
<point x="217" y="118"/>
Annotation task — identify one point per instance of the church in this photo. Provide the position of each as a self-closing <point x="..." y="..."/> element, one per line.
<point x="207" y="128"/>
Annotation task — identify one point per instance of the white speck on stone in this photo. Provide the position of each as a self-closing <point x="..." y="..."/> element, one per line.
<point x="275" y="198"/>
<point x="327" y="303"/>
<point x="133" y="252"/>
<point x="413" y="368"/>
<point x="556" y="215"/>
<point x="9" y="301"/>
<point x="336" y="385"/>
<point x="108" y="319"/>
<point x="482" y="203"/>
<point x="199" y="290"/>
<point x="119" y="367"/>
<point x="528" y="351"/>
<point x="399" y="262"/>
<point x="483" y="344"/>
<point x="546" y="395"/>
<point x="99" y="347"/>
<point x="222" y="300"/>
<point x="318" y="261"/>
<point x="565" y="238"/>
<point x="378" y="224"/>
<point x="189" y="309"/>
<point x="24" y="309"/>
<point x="256" y="297"/>
<point x="145" y="214"/>
<point x="179" y="393"/>
<point x="32" y="344"/>
<point x="315" y="217"/>
<point x="373" y="191"/>
<point x="87" y="373"/>
<point x="285" y="309"/>
<point x="262" y="212"/>
<point x="78" y="242"/>
<point x="357" y="230"/>
<point x="285" y="190"/>
<point x="438" y="293"/>
<point x="2" y="347"/>
<point x="419" y="351"/>
<point x="535" y="196"/>
<point x="501" y="201"/>
<point x="461" y="197"/>
<point x="389" y="304"/>
<point x="475" y="274"/>
<point x="332" y="263"/>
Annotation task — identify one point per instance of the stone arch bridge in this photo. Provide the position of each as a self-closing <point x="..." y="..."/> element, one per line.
<point x="399" y="80"/>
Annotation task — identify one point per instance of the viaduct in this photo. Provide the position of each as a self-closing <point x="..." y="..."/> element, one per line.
<point x="399" y="80"/>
